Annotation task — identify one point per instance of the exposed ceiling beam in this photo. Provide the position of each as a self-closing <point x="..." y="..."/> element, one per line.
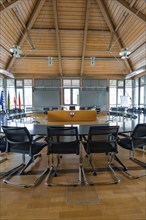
<point x="57" y="35"/>
<point x="138" y="48"/>
<point x="85" y="35"/>
<point x="6" y="73"/>
<point x="112" y="29"/>
<point x="133" y="11"/>
<point x="71" y="30"/>
<point x="136" y="72"/>
<point x="125" y="14"/>
<point x="133" y="3"/>
<point x="117" y="27"/>
<point x="67" y="58"/>
<point x="8" y="5"/>
<point x="19" y="18"/>
<point x="7" y="51"/>
<point x="31" y="21"/>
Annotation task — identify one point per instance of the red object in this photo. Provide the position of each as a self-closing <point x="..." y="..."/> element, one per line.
<point x="19" y="102"/>
<point x="15" y="102"/>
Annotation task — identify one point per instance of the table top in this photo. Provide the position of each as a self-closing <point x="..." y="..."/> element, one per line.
<point x="40" y="129"/>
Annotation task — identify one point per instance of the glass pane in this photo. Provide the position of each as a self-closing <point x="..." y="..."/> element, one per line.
<point x="71" y="83"/>
<point x="1" y="82"/>
<point x="19" y="83"/>
<point x="120" y="83"/>
<point x="128" y="92"/>
<point x="136" y="82"/>
<point x="112" y="94"/>
<point x="136" y="97"/>
<point x="67" y="82"/>
<point x="128" y="83"/>
<point x="28" y="96"/>
<point x="113" y="83"/>
<point x="75" y="83"/>
<point x="10" y="82"/>
<point x="28" y="82"/>
<point x="142" y="95"/>
<point x="120" y="93"/>
<point x="75" y="95"/>
<point x="67" y="96"/>
<point x="142" y="80"/>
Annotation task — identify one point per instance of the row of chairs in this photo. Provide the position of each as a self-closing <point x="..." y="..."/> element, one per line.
<point x="65" y="140"/>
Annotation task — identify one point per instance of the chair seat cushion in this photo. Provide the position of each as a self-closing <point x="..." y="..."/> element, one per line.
<point x="37" y="147"/>
<point x="64" y="148"/>
<point x="26" y="148"/>
<point x="127" y="143"/>
<point x="99" y="147"/>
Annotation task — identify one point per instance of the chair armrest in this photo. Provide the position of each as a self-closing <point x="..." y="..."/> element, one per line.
<point x="37" y="138"/>
<point x="124" y="135"/>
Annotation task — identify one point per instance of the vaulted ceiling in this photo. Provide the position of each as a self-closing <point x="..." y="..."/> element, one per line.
<point x="72" y="32"/>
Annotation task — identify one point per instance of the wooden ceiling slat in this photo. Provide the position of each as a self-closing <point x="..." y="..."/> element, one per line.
<point x="111" y="27"/>
<point x="7" y="6"/>
<point x="100" y="37"/>
<point x="30" y="23"/>
<point x="133" y="11"/>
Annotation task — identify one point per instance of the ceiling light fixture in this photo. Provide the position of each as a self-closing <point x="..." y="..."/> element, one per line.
<point x="50" y="61"/>
<point x="92" y="61"/>
<point x="16" y="51"/>
<point x="124" y="53"/>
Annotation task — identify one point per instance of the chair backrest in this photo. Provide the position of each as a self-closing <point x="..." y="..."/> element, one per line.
<point x="72" y="107"/>
<point x="18" y="139"/>
<point x="102" y="139"/>
<point x="62" y="140"/>
<point x="139" y="135"/>
<point x="105" y="133"/>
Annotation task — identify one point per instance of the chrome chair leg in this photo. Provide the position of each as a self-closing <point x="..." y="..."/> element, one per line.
<point x="12" y="171"/>
<point x="127" y="174"/>
<point x="54" y="172"/>
<point x="25" y="185"/>
<point x="5" y="157"/>
<point x="115" y="180"/>
<point x="141" y="163"/>
<point x="21" y="168"/>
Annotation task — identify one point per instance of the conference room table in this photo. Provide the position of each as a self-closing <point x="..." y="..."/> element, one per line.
<point x="41" y="129"/>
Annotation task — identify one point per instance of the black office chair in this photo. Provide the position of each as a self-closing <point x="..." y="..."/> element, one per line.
<point x="137" y="139"/>
<point x="72" y="107"/>
<point x="82" y="108"/>
<point x="19" y="140"/>
<point x="102" y="139"/>
<point x="2" y="149"/>
<point x="62" y="140"/>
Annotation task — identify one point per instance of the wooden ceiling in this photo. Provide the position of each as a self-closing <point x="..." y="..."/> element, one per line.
<point x="73" y="31"/>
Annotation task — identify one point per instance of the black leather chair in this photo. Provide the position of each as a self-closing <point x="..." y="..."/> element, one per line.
<point x="19" y="140"/>
<point x="137" y="139"/>
<point x="62" y="140"/>
<point x="102" y="139"/>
